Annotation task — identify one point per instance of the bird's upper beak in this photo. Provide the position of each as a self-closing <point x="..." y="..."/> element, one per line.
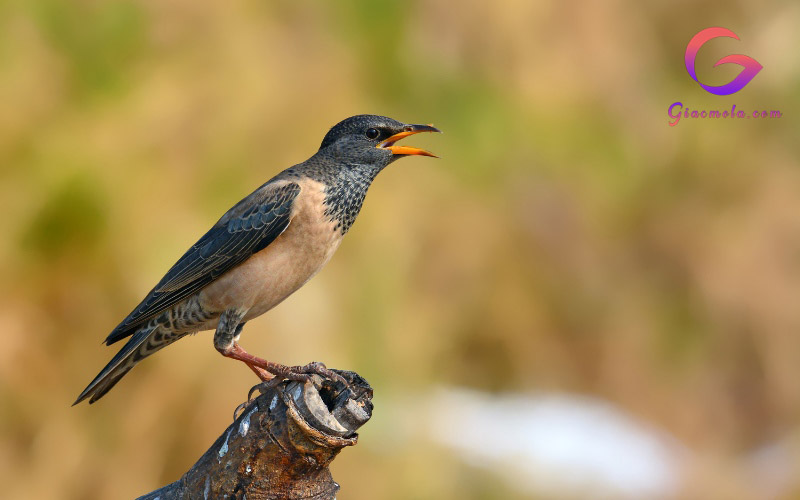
<point x="407" y="150"/>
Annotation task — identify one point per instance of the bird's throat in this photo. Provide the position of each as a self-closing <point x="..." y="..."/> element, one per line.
<point x="344" y="196"/>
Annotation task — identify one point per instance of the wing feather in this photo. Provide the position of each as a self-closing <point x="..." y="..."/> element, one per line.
<point x="247" y="228"/>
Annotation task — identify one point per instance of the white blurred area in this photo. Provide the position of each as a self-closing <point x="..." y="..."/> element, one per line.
<point x="559" y="445"/>
<point x="569" y="446"/>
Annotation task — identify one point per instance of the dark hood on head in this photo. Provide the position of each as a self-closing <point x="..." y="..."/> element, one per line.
<point x="357" y="123"/>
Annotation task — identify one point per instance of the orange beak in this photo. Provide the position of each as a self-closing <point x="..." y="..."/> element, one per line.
<point x="407" y="150"/>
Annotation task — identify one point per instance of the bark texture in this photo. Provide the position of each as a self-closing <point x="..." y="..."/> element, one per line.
<point x="280" y="444"/>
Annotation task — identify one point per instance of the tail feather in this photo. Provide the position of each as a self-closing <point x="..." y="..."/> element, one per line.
<point x="147" y="340"/>
<point x="121" y="332"/>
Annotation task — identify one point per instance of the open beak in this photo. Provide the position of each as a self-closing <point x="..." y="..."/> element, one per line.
<point x="407" y="150"/>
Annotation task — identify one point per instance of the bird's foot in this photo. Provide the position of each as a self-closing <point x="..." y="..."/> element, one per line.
<point x="276" y="373"/>
<point x="263" y="387"/>
<point x="303" y="373"/>
<point x="266" y="369"/>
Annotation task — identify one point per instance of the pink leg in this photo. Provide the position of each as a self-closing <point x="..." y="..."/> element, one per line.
<point x="267" y="370"/>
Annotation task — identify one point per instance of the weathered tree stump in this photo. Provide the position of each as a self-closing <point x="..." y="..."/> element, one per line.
<point x="280" y="445"/>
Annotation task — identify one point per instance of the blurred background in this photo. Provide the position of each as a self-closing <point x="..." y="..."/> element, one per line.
<point x="588" y="302"/>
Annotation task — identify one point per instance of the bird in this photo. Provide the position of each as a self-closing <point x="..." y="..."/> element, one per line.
<point x="262" y="250"/>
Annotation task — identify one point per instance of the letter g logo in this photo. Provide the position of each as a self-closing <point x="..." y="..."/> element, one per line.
<point x="750" y="65"/>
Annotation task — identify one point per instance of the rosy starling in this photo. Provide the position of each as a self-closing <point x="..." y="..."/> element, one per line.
<point x="262" y="250"/>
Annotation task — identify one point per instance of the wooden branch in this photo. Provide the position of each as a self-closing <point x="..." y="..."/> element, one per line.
<point x="280" y="445"/>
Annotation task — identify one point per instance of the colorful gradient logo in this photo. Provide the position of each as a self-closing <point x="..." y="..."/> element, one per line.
<point x="750" y="65"/>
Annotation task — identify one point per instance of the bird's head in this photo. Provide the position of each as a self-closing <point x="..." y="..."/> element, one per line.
<point x="370" y="140"/>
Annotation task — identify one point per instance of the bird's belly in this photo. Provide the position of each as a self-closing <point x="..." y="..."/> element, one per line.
<point x="271" y="275"/>
<point x="281" y="271"/>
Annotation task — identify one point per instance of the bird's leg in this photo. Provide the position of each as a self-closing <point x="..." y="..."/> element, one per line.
<point x="261" y="373"/>
<point x="298" y="373"/>
<point x="228" y="330"/>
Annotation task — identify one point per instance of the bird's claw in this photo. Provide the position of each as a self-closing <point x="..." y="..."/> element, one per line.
<point x="317" y="368"/>
<point x="304" y="373"/>
<point x="262" y="388"/>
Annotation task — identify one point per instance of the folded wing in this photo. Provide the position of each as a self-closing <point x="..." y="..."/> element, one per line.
<point x="247" y="228"/>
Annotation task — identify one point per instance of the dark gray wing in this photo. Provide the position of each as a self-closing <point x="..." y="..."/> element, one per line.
<point x="247" y="228"/>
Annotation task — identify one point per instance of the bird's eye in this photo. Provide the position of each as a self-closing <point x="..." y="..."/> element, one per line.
<point x="372" y="133"/>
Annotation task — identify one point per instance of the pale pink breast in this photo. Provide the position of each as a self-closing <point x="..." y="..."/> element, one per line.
<point x="274" y="273"/>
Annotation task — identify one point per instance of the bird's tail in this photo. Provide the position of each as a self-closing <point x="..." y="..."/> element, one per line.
<point x="147" y="340"/>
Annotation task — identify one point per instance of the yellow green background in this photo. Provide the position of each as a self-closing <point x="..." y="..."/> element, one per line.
<point x="568" y="240"/>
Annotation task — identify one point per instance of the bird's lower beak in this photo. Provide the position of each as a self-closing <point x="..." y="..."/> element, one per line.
<point x="407" y="150"/>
